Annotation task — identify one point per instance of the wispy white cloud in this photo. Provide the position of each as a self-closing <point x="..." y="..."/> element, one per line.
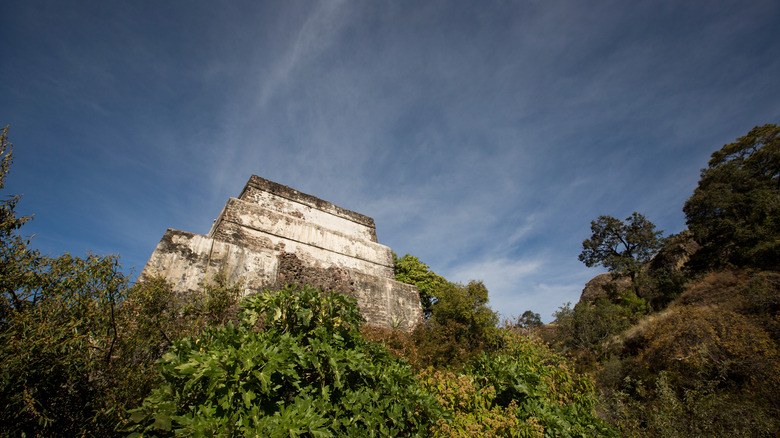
<point x="502" y="273"/>
<point x="518" y="284"/>
<point x="315" y="36"/>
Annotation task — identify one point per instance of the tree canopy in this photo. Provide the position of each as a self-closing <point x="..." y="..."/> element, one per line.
<point x="462" y="308"/>
<point x="16" y="258"/>
<point x="734" y="212"/>
<point x="529" y="319"/>
<point x="620" y="246"/>
<point x="410" y="270"/>
<point x="466" y="307"/>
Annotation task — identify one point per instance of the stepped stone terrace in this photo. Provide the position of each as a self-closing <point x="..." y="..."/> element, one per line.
<point x="272" y="235"/>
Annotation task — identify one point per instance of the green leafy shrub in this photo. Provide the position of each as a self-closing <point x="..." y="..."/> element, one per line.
<point x="429" y="345"/>
<point x="523" y="390"/>
<point x="472" y="409"/>
<point x="295" y="364"/>
<point x="526" y="372"/>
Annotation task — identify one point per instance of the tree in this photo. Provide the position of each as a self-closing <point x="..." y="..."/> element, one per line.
<point x="448" y="303"/>
<point x="459" y="323"/>
<point x="17" y="260"/>
<point x="8" y="220"/>
<point x="411" y="270"/>
<point x="529" y="319"/>
<point x="466" y="306"/>
<point x="58" y="331"/>
<point x="58" y="350"/>
<point x="621" y="247"/>
<point x="734" y="212"/>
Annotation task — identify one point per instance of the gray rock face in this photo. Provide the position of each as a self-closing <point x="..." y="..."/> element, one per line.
<point x="272" y="235"/>
<point x="600" y="285"/>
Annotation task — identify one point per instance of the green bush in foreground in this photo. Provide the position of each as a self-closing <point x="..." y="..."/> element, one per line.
<point x="523" y="390"/>
<point x="526" y="373"/>
<point x="294" y="365"/>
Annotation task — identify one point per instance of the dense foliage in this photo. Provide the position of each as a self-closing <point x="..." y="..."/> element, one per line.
<point x="83" y="347"/>
<point x="410" y="270"/>
<point x="458" y="312"/>
<point x="529" y="319"/>
<point x="294" y="364"/>
<point x="589" y="325"/>
<point x="734" y="213"/>
<point x="465" y="307"/>
<point x="59" y="346"/>
<point x="521" y="390"/>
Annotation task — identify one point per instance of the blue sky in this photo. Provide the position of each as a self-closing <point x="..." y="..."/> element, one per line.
<point x="482" y="136"/>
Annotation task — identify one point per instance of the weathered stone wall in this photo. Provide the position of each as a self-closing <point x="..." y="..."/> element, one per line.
<point x="331" y="216"/>
<point x="382" y="301"/>
<point x="273" y="235"/>
<point x="248" y="224"/>
<point x="190" y="260"/>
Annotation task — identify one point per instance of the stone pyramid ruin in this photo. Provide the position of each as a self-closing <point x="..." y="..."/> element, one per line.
<point x="272" y="235"/>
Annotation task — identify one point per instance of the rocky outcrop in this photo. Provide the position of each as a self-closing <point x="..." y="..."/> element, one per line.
<point x="675" y="253"/>
<point x="604" y="284"/>
<point x="677" y="250"/>
<point x="272" y="235"/>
